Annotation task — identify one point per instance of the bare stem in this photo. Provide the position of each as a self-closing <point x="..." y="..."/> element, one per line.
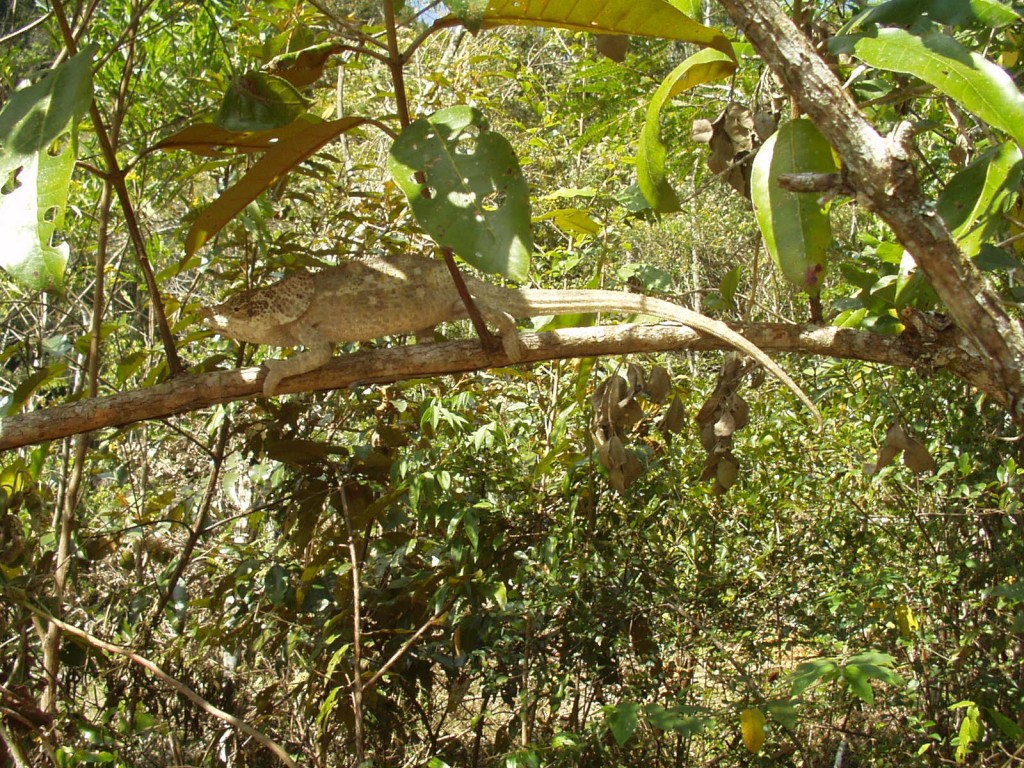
<point x="357" y="639"/>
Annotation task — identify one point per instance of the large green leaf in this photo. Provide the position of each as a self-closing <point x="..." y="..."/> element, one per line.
<point x="466" y="189"/>
<point x="810" y="672"/>
<point x="968" y="78"/>
<point x="649" y="18"/>
<point x="622" y="720"/>
<point x="975" y="198"/>
<point x="903" y="13"/>
<point x="704" y="66"/>
<point x="796" y="228"/>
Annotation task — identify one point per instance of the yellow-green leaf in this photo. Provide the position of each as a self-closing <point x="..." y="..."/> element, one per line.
<point x="906" y="621"/>
<point x="704" y="66"/>
<point x="752" y="729"/>
<point x="968" y="78"/>
<point x="649" y="18"/>
<point x="974" y="200"/>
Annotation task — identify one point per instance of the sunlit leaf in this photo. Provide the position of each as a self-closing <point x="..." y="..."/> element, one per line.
<point x="966" y="77"/>
<point x="752" y="729"/>
<point x="29" y="217"/>
<point x="649" y="18"/>
<point x="810" y="672"/>
<point x="473" y="197"/>
<point x="974" y="200"/>
<point x="35" y="116"/>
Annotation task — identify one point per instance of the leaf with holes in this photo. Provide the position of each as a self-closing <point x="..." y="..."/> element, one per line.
<point x="30" y="215"/>
<point x="466" y="189"/>
<point x="35" y="175"/>
<point x="35" y="116"/>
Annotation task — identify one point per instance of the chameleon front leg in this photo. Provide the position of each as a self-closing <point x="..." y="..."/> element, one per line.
<point x="316" y="354"/>
<point x="506" y="325"/>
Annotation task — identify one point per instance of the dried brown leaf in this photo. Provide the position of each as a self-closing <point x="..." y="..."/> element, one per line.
<point x="659" y="384"/>
<point x="917" y="458"/>
<point x="675" y="416"/>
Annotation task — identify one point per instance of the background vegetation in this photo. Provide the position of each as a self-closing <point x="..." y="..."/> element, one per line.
<point x="445" y="571"/>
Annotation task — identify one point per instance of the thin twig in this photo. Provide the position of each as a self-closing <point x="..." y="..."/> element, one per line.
<point x="404" y="648"/>
<point x="27" y="28"/>
<point x="357" y="634"/>
<point x="116" y="177"/>
<point x="212" y="486"/>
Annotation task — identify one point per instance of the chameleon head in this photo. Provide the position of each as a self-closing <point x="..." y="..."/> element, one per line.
<point x="258" y="315"/>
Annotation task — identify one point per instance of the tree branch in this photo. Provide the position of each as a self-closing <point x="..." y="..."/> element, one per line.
<point x="880" y="170"/>
<point x="946" y="349"/>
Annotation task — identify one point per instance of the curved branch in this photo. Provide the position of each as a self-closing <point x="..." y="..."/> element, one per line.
<point x="943" y="350"/>
<point x="177" y="685"/>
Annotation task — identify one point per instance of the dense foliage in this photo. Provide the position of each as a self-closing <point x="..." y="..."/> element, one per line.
<point x="460" y="570"/>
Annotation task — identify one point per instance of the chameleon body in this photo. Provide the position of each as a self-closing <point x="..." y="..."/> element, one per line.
<point x="364" y="299"/>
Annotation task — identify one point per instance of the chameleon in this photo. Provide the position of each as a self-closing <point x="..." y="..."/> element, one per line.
<point x="374" y="296"/>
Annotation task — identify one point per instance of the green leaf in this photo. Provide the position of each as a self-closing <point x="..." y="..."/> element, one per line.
<point x="622" y="720"/>
<point x="730" y="283"/>
<point x="36" y="177"/>
<point x="257" y="101"/>
<point x="971" y="730"/>
<point x="35" y="116"/>
<point x="704" y="66"/>
<point x="991" y="258"/>
<point x="975" y="198"/>
<point x="872" y="657"/>
<point x="859" y="683"/>
<point x="572" y="221"/>
<point x="1009" y="728"/>
<point x="808" y="673"/>
<point x="681" y="720"/>
<point x="29" y="385"/>
<point x="783" y="711"/>
<point x="275" y="582"/>
<point x="903" y="13"/>
<point x="796" y="229"/>
<point x="968" y="78"/>
<point x="648" y="18"/>
<point x="473" y="198"/>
